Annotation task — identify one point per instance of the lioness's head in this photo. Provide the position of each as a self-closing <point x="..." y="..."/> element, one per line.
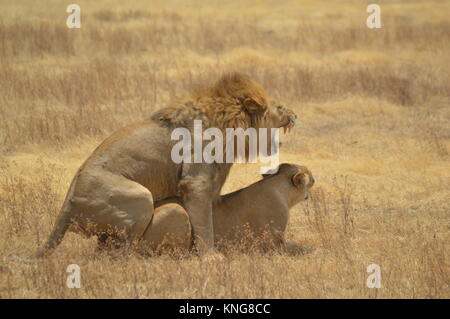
<point x="300" y="180"/>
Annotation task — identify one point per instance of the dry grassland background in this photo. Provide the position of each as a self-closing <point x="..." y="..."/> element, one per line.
<point x="374" y="128"/>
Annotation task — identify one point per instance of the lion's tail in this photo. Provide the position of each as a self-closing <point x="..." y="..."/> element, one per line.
<point x="63" y="222"/>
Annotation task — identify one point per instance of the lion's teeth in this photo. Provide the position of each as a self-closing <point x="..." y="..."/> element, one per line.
<point x="284" y="129"/>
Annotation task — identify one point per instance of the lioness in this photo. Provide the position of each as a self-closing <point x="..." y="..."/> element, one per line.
<point x="113" y="192"/>
<point x="261" y="208"/>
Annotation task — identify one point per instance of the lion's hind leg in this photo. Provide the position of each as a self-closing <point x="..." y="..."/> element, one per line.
<point x="170" y="230"/>
<point x="115" y="209"/>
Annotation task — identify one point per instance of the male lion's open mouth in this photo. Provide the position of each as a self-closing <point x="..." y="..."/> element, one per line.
<point x="288" y="126"/>
<point x="287" y="115"/>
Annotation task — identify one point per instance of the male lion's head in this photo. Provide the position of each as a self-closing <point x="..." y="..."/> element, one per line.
<point x="234" y="101"/>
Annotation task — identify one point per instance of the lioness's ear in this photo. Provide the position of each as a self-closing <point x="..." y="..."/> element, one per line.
<point x="298" y="179"/>
<point x="253" y="107"/>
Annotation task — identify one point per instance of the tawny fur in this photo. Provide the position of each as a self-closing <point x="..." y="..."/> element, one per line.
<point x="113" y="192"/>
<point x="258" y="213"/>
<point x="234" y="101"/>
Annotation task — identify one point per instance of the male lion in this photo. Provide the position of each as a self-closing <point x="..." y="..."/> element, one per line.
<point x="113" y="192"/>
<point x="260" y="210"/>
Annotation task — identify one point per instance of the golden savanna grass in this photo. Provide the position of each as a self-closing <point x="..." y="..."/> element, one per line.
<point x="374" y="128"/>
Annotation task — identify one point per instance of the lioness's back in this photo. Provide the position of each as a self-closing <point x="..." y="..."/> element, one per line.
<point x="253" y="208"/>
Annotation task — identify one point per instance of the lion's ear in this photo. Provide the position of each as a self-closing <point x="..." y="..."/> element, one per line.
<point x="253" y="107"/>
<point x="298" y="179"/>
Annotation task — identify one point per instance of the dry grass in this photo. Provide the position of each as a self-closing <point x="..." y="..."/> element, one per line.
<point x="375" y="130"/>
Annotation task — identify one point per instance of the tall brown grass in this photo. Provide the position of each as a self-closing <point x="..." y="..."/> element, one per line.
<point x="374" y="129"/>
